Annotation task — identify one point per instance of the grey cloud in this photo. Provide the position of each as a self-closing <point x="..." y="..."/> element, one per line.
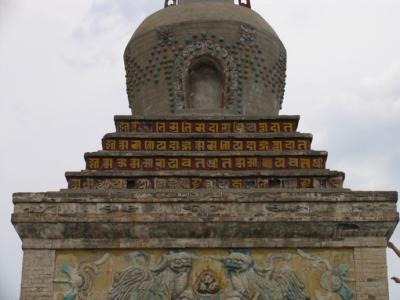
<point x="124" y="11"/>
<point x="126" y="8"/>
<point x="104" y="31"/>
<point x="383" y="88"/>
<point x="6" y="7"/>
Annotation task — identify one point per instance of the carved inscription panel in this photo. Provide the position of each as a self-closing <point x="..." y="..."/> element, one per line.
<point x="179" y="126"/>
<point x="161" y="163"/>
<point x="205" y="274"/>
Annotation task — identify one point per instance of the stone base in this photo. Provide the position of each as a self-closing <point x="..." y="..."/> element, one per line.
<point x="310" y="273"/>
<point x="205" y="244"/>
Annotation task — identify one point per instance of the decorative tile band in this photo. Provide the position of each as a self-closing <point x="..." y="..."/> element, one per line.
<point x="206" y="126"/>
<point x="122" y="144"/>
<point x="201" y="163"/>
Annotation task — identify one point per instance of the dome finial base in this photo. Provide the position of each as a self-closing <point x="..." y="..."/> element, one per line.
<point x="168" y="3"/>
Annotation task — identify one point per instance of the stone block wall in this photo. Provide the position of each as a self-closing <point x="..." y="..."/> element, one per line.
<point x="38" y="275"/>
<point x="371" y="273"/>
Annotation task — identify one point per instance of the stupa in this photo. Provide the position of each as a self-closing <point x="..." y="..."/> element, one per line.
<point x="205" y="192"/>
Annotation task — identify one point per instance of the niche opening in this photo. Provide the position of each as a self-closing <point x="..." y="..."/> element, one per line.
<point x="205" y="83"/>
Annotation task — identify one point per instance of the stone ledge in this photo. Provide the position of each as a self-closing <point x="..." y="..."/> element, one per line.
<point x="74" y="244"/>
<point x="122" y="218"/>
<point x="211" y="173"/>
<point x="233" y="135"/>
<point x="207" y="118"/>
<point x="200" y="211"/>
<point x="187" y="180"/>
<point x="205" y="214"/>
<point x="205" y="153"/>
<point x="107" y="229"/>
<point x="209" y="196"/>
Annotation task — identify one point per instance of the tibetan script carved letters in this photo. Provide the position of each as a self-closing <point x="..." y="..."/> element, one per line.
<point x="205" y="163"/>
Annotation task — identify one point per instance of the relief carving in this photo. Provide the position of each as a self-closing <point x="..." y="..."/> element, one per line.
<point x="169" y="279"/>
<point x="247" y="280"/>
<point x="109" y="208"/>
<point x="208" y="285"/>
<point x="144" y="279"/>
<point x="204" y="211"/>
<point x="41" y="209"/>
<point x="247" y="34"/>
<point x="290" y="208"/>
<point x="80" y="279"/>
<point x="333" y="279"/>
<point x="166" y="36"/>
<point x="108" y="184"/>
<point x="210" y="274"/>
<point x="129" y="208"/>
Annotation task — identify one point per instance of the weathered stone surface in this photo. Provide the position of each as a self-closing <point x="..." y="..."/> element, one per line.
<point x="371" y="273"/>
<point x="217" y="243"/>
<point x="38" y="274"/>
<point x="206" y="195"/>
<point x="205" y="214"/>
<point x="95" y="180"/>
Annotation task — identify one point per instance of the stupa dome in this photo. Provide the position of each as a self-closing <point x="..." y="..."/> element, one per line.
<point x="205" y="57"/>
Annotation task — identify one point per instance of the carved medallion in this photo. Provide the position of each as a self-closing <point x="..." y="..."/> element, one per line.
<point x="207" y="284"/>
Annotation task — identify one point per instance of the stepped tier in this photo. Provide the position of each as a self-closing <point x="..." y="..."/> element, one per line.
<point x="105" y="180"/>
<point x="207" y="124"/>
<point x="206" y="142"/>
<point x="197" y="160"/>
<point x="206" y="153"/>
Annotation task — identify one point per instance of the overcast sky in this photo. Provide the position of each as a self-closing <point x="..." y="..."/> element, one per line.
<point x="62" y="81"/>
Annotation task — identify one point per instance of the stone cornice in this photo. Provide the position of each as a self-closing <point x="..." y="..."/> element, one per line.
<point x="203" y="214"/>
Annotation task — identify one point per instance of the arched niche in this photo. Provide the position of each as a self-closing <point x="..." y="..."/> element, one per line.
<point x="205" y="85"/>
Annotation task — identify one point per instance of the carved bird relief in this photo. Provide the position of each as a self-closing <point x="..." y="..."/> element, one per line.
<point x="247" y="281"/>
<point x="333" y="280"/>
<point x="168" y="280"/>
<point x="80" y="279"/>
